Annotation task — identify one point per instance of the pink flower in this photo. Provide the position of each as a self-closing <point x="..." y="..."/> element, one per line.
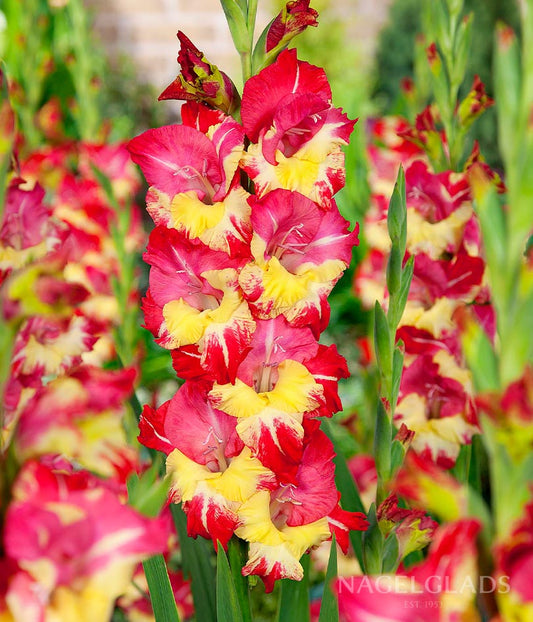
<point x="192" y="171"/>
<point x="442" y="588"/>
<point x="295" y="131"/>
<point x="436" y="402"/>
<point x="189" y="423"/>
<point x="79" y="414"/>
<point x="238" y="292"/>
<point x="50" y="346"/>
<point x="27" y="232"/>
<point x="299" y="253"/>
<point x="194" y="297"/>
<point x="78" y="558"/>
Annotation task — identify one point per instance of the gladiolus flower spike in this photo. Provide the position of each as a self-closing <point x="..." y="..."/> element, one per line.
<point x="238" y="293"/>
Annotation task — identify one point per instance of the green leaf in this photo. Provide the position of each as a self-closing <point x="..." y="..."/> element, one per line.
<point x="461" y="469"/>
<point x="397" y="456"/>
<point x="407" y="277"/>
<point x="397" y="370"/>
<point x="196" y="564"/>
<point x="161" y="594"/>
<point x="455" y="7"/>
<point x="391" y="554"/>
<point x="477" y="507"/>
<point x="394" y="269"/>
<point x="481" y="358"/>
<point x="259" y="56"/>
<point x="507" y="89"/>
<point x="517" y="340"/>
<point x="493" y="227"/>
<point x="462" y="50"/>
<point x="329" y="609"/>
<point x="373" y="544"/>
<point x="237" y="553"/>
<point x="294" y="600"/>
<point x="148" y="493"/>
<point x="398" y="301"/>
<point x="228" y="606"/>
<point x="237" y="23"/>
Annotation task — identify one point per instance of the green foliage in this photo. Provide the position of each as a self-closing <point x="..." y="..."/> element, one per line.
<point x="229" y="606"/>
<point x="197" y="564"/>
<point x="329" y="609"/>
<point x="294" y="600"/>
<point x="350" y="499"/>
<point x="163" y="603"/>
<point x="68" y="74"/>
<point x="395" y="58"/>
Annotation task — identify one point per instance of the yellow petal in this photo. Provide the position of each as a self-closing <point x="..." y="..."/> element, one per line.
<point x="296" y="390"/>
<point x="435" y="320"/>
<point x="242" y="477"/>
<point x="257" y="525"/>
<point x="237" y="400"/>
<point x="435" y="238"/>
<point x="283" y="287"/>
<point x="185" y="474"/>
<point x="190" y="214"/>
<point x="185" y="323"/>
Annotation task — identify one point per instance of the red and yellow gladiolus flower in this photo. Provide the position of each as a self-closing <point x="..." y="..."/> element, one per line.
<point x="69" y="560"/>
<point x="192" y="172"/>
<point x="296" y="133"/>
<point x="238" y="292"/>
<point x="80" y="414"/>
<point x="442" y="588"/>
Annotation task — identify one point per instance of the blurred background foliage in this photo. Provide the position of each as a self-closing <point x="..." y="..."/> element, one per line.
<point x="395" y="59"/>
<point x="65" y="89"/>
<point x="62" y="85"/>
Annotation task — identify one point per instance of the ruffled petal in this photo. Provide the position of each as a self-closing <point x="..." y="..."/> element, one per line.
<point x="316" y="177"/>
<point x="294" y="390"/>
<point x="202" y="433"/>
<point x="314" y="496"/>
<point x="272" y="290"/>
<point x="275" y="553"/>
<point x="289" y="226"/>
<point x="274" y="341"/>
<point x="177" y="158"/>
<point x="264" y="92"/>
<point x="341" y="522"/>
<point x="276" y="438"/>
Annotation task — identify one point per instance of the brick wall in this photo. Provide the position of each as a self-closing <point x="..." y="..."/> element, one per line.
<point x="145" y="30"/>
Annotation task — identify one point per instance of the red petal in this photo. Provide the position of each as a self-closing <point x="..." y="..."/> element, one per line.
<point x="264" y="92"/>
<point x="176" y="158"/>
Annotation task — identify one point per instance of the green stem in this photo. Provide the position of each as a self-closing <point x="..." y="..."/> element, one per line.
<point x="246" y="57"/>
<point x="246" y="65"/>
<point x="8" y="335"/>
<point x="88" y="117"/>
